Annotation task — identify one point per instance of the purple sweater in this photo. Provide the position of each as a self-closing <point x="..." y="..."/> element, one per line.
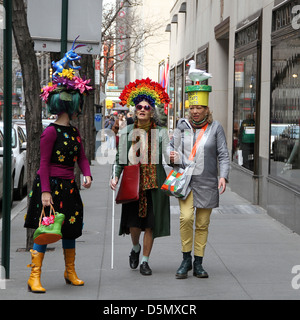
<point x="49" y="150"/>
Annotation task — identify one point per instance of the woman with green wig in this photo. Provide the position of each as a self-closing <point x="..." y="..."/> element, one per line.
<point x="60" y="148"/>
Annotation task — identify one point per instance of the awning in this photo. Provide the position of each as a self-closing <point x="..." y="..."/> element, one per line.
<point x="120" y="108"/>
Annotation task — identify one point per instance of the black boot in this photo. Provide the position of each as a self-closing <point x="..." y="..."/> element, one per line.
<point x="134" y="259"/>
<point x="185" y="267"/>
<point x="199" y="272"/>
<point x="145" y="270"/>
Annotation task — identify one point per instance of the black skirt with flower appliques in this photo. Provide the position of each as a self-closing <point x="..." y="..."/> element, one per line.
<point x="66" y="199"/>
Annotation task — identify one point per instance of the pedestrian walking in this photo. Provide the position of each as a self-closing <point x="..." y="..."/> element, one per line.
<point x="129" y="118"/>
<point x="115" y="129"/>
<point x="203" y="194"/>
<point x="142" y="142"/>
<point x="60" y="147"/>
<point x="122" y="121"/>
<point x="109" y="133"/>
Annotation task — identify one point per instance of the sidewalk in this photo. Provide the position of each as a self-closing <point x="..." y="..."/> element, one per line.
<point x="249" y="256"/>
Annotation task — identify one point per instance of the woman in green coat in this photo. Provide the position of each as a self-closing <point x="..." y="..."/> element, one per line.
<point x="144" y="142"/>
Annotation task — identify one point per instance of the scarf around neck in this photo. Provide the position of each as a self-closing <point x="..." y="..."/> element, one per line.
<point x="148" y="179"/>
<point x="198" y="125"/>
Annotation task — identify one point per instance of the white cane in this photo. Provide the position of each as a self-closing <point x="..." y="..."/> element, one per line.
<point x="113" y="222"/>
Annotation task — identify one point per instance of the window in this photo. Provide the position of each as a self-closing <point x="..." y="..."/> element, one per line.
<point x="245" y="111"/>
<point x="1" y="140"/>
<point x="188" y="82"/>
<point x="246" y="95"/>
<point x="172" y="97"/>
<point x="179" y="92"/>
<point x="285" y="111"/>
<point x="202" y="60"/>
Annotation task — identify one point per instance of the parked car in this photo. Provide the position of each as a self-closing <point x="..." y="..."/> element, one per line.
<point x="46" y="122"/>
<point x="21" y="123"/>
<point x="19" y="146"/>
<point x="13" y="161"/>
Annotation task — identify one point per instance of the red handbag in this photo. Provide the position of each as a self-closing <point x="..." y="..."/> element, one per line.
<point x="130" y="185"/>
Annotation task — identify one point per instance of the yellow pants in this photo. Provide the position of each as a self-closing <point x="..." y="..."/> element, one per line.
<point x="187" y="218"/>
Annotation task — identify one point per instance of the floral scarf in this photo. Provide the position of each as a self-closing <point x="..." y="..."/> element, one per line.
<point x="147" y="169"/>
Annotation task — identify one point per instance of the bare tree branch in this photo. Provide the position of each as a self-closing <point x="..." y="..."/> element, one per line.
<point x="126" y="45"/>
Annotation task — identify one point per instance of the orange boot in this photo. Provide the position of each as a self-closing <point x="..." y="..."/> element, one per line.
<point x="34" y="281"/>
<point x="70" y="273"/>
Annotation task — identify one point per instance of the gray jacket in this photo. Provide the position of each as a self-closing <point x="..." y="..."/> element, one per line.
<point x="212" y="159"/>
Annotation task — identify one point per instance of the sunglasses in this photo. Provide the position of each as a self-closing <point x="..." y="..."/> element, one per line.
<point x="140" y="107"/>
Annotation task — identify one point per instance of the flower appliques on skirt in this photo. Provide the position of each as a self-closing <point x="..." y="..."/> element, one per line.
<point x="72" y="220"/>
<point x="61" y="158"/>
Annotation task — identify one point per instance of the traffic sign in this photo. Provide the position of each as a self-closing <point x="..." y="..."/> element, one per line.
<point x="84" y="19"/>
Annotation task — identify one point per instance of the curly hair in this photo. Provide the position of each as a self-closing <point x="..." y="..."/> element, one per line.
<point x="154" y="116"/>
<point x="143" y="97"/>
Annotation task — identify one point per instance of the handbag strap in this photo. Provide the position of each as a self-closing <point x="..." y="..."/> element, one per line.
<point x="196" y="145"/>
<point x="43" y="213"/>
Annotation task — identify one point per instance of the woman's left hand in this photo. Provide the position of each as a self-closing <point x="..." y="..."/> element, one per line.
<point x="222" y="185"/>
<point x="87" y="181"/>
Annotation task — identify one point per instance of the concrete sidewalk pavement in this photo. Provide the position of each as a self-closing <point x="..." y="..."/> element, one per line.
<point x="249" y="256"/>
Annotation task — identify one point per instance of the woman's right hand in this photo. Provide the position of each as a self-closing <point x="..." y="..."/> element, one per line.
<point x="114" y="183"/>
<point x="174" y="157"/>
<point x="46" y="199"/>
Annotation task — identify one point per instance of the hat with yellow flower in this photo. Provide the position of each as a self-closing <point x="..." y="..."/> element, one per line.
<point x="66" y="87"/>
<point x="144" y="89"/>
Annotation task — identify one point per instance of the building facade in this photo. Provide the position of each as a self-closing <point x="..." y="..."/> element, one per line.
<point x="142" y="44"/>
<point x="154" y="13"/>
<point x="252" y="49"/>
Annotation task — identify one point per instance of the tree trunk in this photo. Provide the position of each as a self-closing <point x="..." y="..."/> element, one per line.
<point x="31" y="83"/>
<point x="85" y="123"/>
<point x="87" y="70"/>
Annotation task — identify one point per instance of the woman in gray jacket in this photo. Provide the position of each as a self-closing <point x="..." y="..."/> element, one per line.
<point x="212" y="159"/>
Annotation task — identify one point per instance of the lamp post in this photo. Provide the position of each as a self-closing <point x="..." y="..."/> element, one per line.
<point x="64" y="27"/>
<point x="6" y="201"/>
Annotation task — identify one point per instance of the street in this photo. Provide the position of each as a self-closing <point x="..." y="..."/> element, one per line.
<point x="249" y="256"/>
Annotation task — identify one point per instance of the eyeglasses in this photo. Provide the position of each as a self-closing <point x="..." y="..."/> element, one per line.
<point x="140" y="107"/>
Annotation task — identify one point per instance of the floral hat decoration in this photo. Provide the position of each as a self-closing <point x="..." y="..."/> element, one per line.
<point x="146" y="89"/>
<point x="64" y="80"/>
<point x="66" y="84"/>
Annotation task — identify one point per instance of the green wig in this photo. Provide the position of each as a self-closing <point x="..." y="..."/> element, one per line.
<point x="69" y="102"/>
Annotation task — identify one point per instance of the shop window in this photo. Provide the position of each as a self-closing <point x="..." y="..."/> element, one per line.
<point x="245" y="110"/>
<point x="285" y="100"/>
<point x="172" y="97"/>
<point x="188" y="82"/>
<point x="202" y="60"/>
<point x="246" y="96"/>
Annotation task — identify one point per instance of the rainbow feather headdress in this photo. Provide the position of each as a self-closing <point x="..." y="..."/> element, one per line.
<point x="147" y="89"/>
